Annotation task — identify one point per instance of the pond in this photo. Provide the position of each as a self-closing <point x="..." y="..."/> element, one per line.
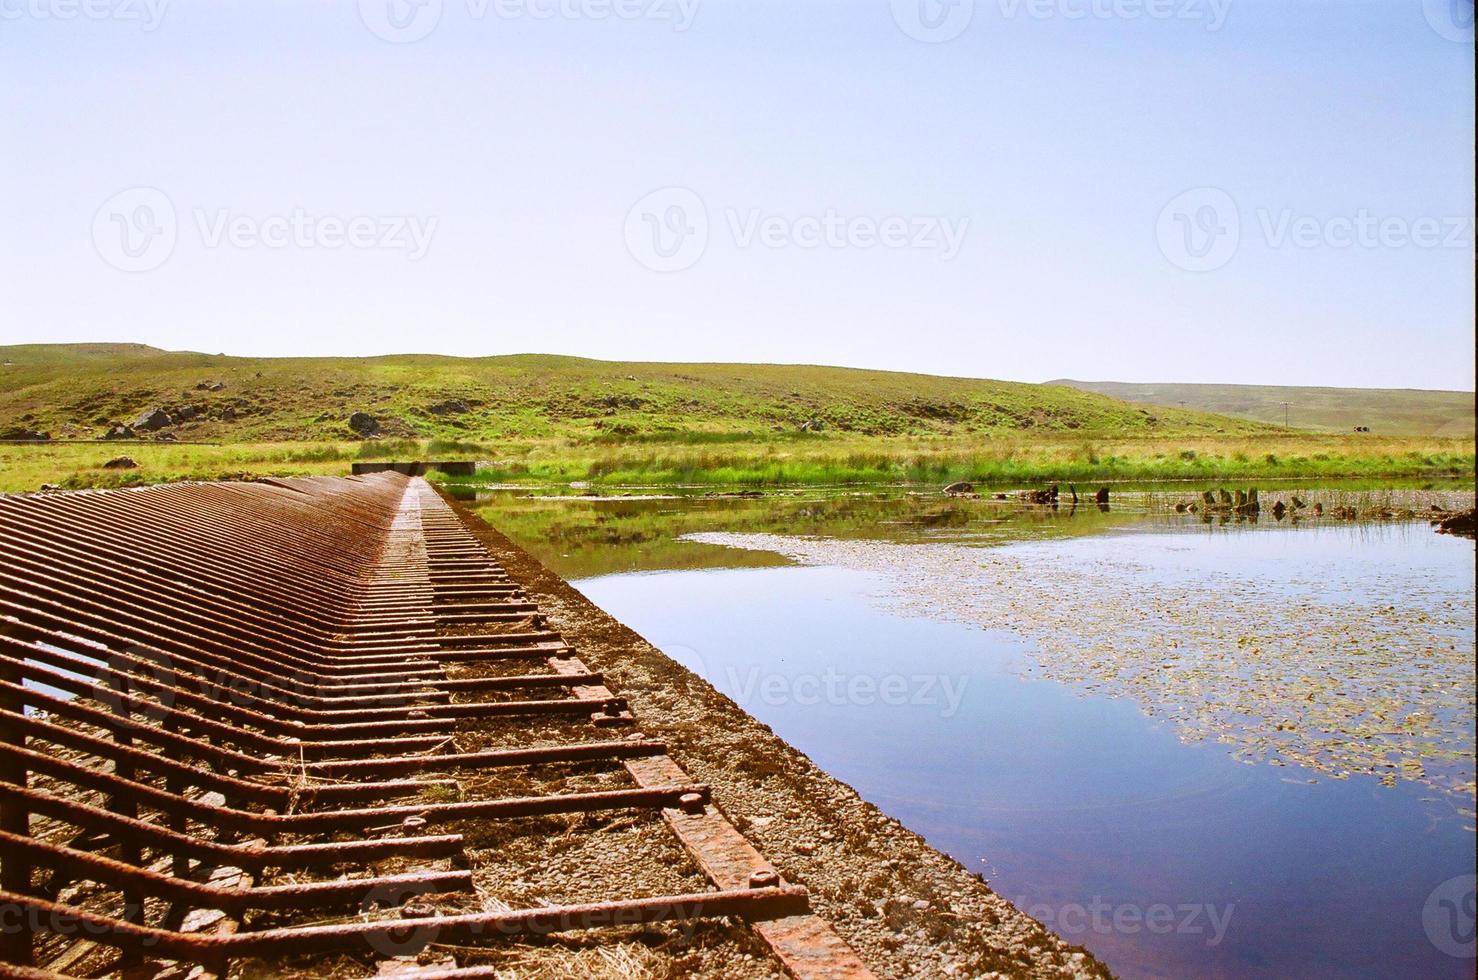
<point x="1208" y="748"/>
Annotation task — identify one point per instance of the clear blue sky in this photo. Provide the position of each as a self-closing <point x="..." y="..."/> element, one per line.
<point x="520" y="145"/>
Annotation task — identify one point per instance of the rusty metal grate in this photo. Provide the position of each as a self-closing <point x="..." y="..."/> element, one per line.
<point x="222" y="704"/>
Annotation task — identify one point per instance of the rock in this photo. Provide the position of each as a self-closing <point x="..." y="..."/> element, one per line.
<point x="119" y="432"/>
<point x="812" y="425"/>
<point x="24" y="435"/>
<point x="166" y="437"/>
<point x="364" y="425"/>
<point x="1102" y="496"/>
<point x="1460" y="524"/>
<point x="211" y="386"/>
<point x="121" y="463"/>
<point x="153" y="420"/>
<point x="960" y="489"/>
<point x="452" y="406"/>
<point x="1279" y="510"/>
<point x="1047" y="496"/>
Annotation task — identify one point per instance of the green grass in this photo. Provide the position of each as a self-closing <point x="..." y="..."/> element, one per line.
<point x="77" y="391"/>
<point x="1386" y="411"/>
<point x="999" y="461"/>
<point x="541" y="418"/>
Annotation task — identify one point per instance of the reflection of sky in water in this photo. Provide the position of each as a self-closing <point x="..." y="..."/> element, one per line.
<point x="1363" y="563"/>
<point x="1060" y="798"/>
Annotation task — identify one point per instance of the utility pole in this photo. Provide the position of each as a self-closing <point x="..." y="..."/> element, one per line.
<point x="1285" y="414"/>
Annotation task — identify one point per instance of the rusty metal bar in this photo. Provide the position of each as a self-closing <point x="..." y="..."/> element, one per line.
<point x="409" y="935"/>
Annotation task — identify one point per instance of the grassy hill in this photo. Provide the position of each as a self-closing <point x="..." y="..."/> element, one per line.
<point x="1387" y="411"/>
<point x="79" y="391"/>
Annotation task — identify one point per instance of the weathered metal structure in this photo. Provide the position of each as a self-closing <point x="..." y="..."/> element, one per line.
<point x="226" y="708"/>
<point x="417" y="468"/>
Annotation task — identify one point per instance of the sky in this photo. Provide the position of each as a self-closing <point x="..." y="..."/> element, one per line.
<point x="1229" y="191"/>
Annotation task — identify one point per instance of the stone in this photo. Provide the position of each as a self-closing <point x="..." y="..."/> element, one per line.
<point x="959" y="489"/>
<point x="1461" y="524"/>
<point x="119" y="432"/>
<point x="121" y="463"/>
<point x="24" y="435"/>
<point x="452" y="406"/>
<point x="153" y="420"/>
<point x="364" y="425"/>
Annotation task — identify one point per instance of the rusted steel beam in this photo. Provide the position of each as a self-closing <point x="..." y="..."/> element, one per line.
<point x="184" y="775"/>
<point x="409" y="934"/>
<point x="220" y="733"/>
<point x="246" y="821"/>
<point x="305" y="895"/>
<point x="255" y="858"/>
<point x="490" y="759"/>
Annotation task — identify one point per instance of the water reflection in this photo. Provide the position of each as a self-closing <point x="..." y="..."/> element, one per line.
<point x="580" y="533"/>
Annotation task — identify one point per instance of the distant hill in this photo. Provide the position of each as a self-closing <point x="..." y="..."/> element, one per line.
<point x="81" y="390"/>
<point x="1386" y="411"/>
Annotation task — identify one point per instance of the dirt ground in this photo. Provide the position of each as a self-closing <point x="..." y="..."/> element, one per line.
<point x="907" y="909"/>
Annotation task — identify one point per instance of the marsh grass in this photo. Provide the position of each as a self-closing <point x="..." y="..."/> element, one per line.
<point x="778" y="460"/>
<point x="1013" y="460"/>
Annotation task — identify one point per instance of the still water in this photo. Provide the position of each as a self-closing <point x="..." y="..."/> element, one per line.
<point x="1165" y="857"/>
